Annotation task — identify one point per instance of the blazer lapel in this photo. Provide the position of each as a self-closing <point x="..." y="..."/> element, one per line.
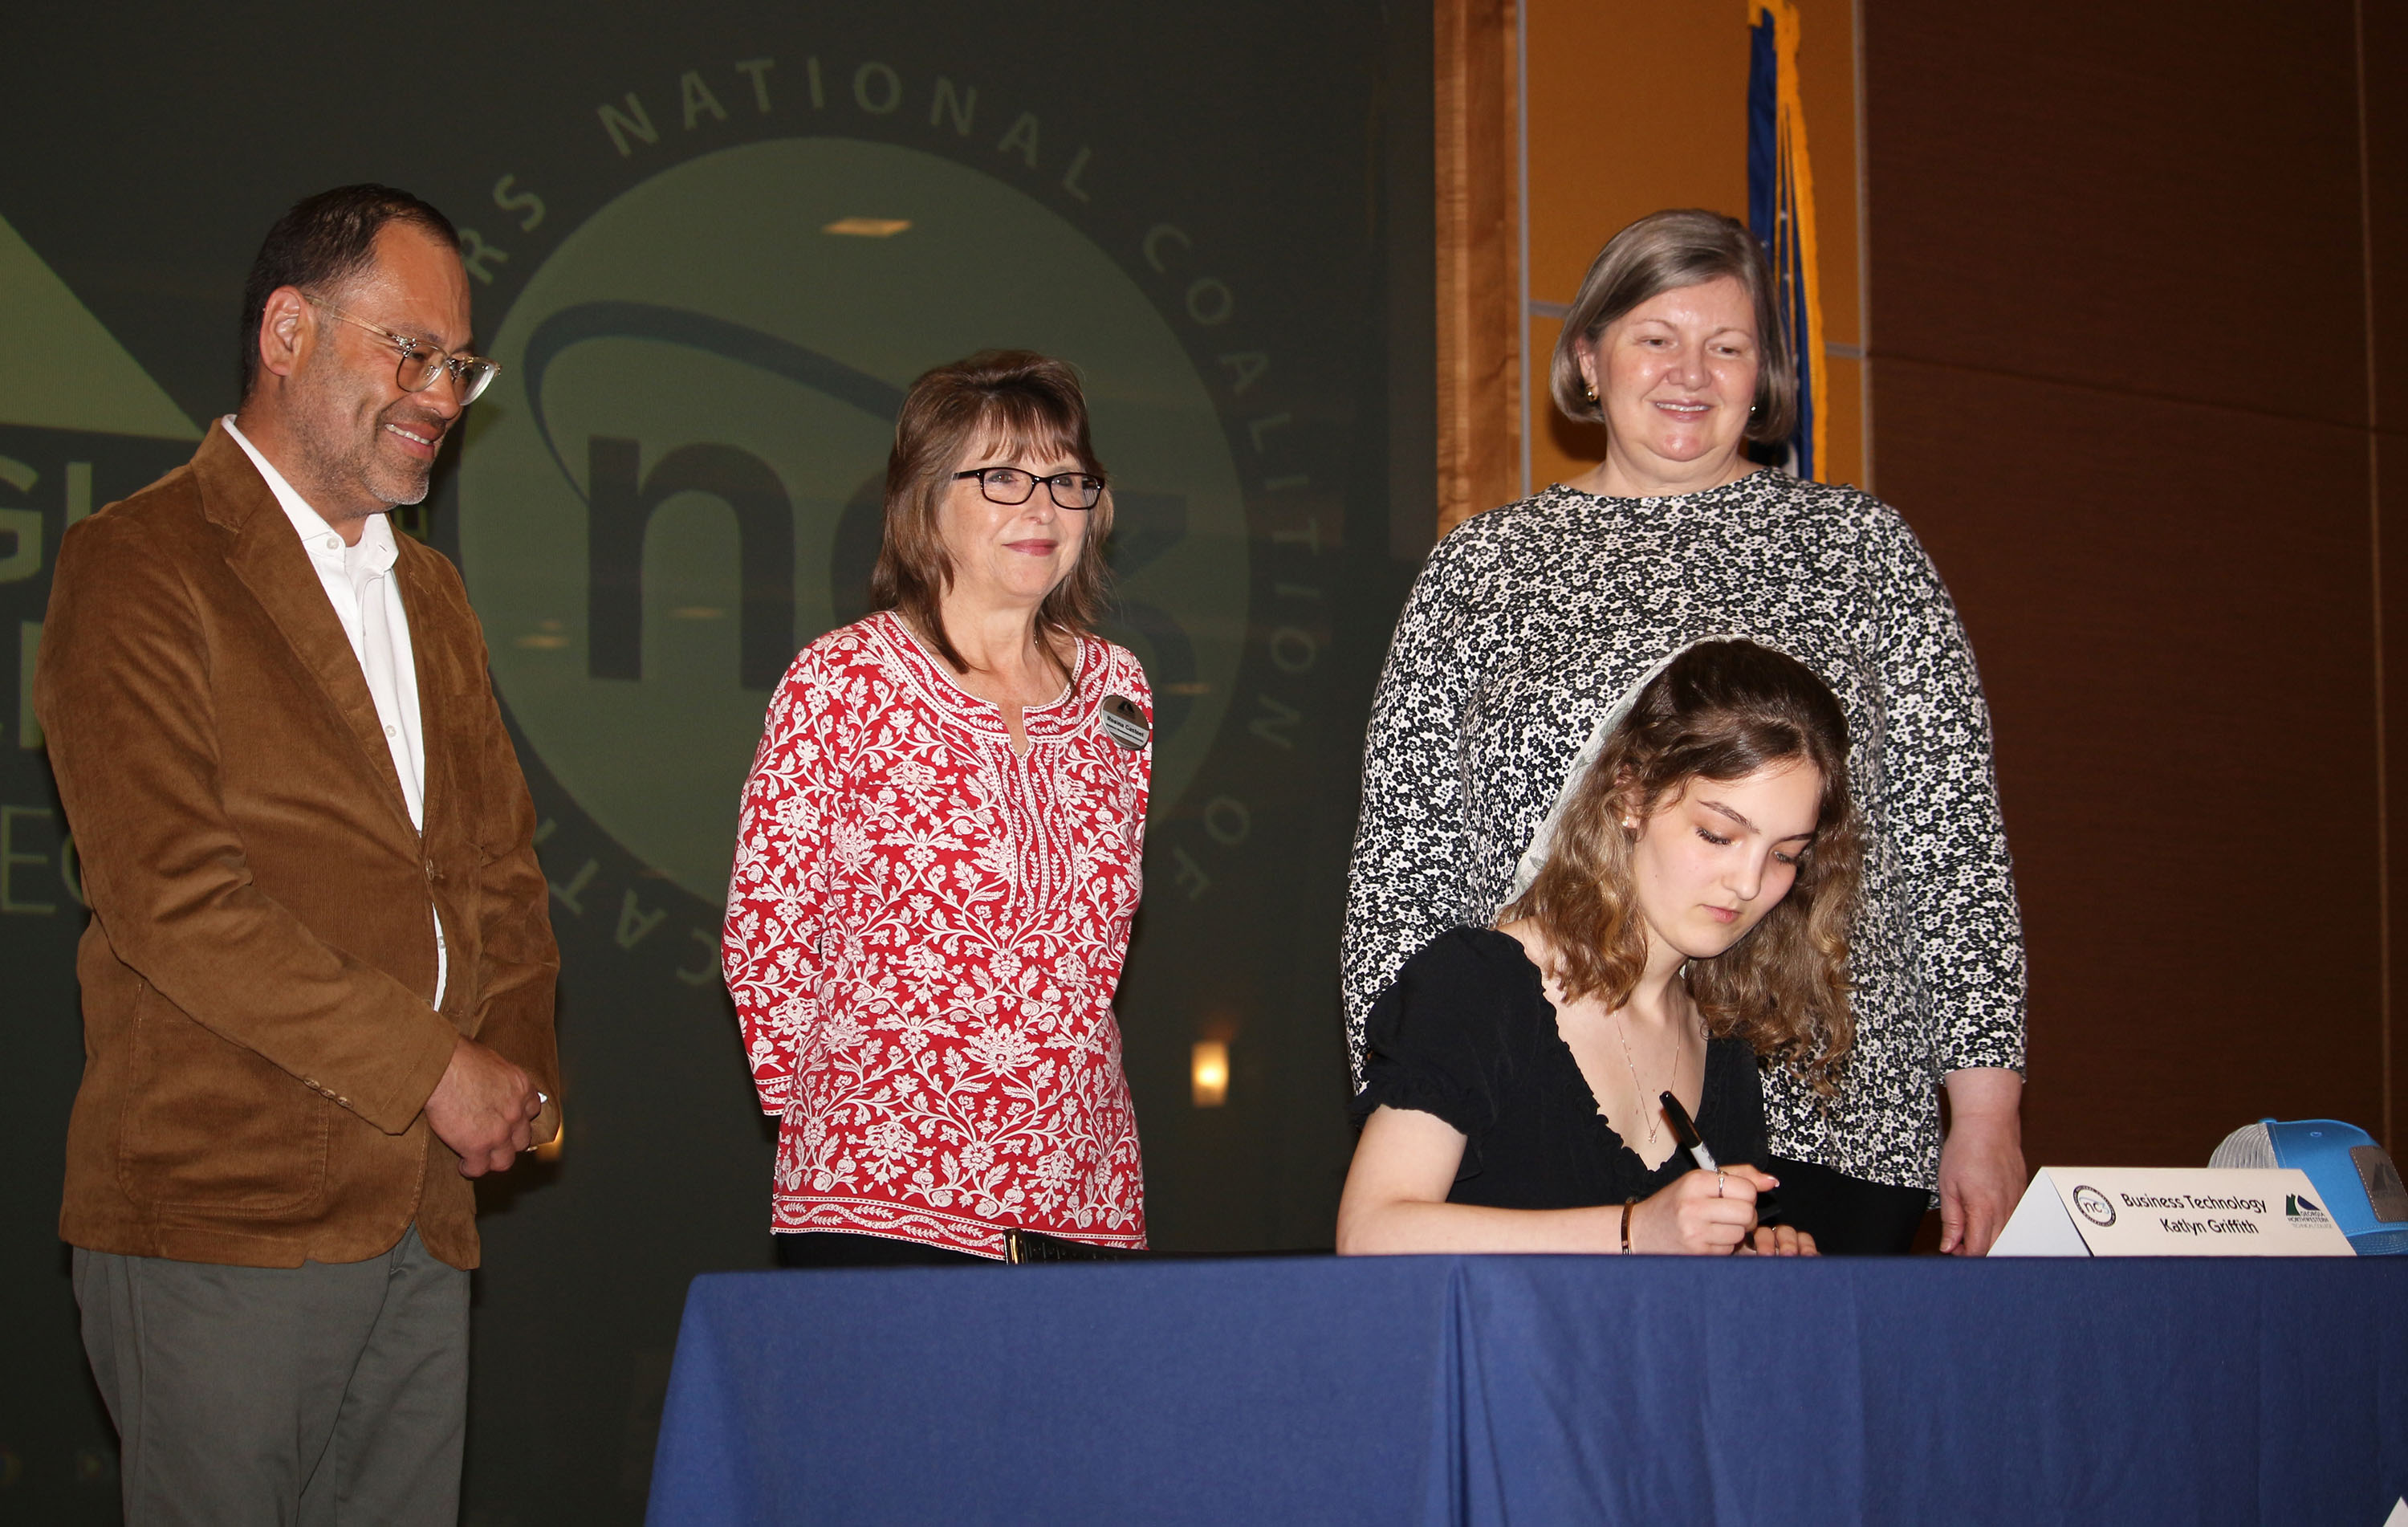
<point x="268" y="557"/>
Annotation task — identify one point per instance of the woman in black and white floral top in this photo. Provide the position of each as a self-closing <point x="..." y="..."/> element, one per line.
<point x="1530" y="620"/>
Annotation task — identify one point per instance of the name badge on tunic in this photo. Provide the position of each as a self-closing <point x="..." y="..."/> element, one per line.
<point x="1124" y="723"/>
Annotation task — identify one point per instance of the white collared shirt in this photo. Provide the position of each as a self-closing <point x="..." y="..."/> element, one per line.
<point x="352" y="576"/>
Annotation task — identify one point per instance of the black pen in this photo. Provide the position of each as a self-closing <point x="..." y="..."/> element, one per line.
<point x="1684" y="1129"/>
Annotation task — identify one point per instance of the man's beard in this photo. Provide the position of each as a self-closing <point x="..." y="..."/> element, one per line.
<point x="337" y="458"/>
<point x="404" y="483"/>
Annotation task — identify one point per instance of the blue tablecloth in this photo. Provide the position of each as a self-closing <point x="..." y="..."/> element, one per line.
<point x="1479" y="1389"/>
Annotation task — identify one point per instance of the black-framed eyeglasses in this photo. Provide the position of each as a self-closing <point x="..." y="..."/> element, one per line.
<point x="420" y="362"/>
<point x="1016" y="485"/>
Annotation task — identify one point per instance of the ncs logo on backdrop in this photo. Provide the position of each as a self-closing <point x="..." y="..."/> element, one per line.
<point x="676" y="481"/>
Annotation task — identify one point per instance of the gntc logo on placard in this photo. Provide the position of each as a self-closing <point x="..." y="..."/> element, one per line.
<point x="2094" y="1207"/>
<point x="676" y="481"/>
<point x="2300" y="1209"/>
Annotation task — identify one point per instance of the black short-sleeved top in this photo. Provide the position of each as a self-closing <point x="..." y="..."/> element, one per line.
<point x="1465" y="1032"/>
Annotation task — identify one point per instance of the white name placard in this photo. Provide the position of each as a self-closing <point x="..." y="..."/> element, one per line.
<point x="2171" y="1211"/>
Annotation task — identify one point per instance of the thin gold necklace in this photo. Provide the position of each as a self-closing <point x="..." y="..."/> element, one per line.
<point x="1622" y="1033"/>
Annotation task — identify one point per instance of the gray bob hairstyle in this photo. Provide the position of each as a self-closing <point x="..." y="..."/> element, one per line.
<point x="1659" y="253"/>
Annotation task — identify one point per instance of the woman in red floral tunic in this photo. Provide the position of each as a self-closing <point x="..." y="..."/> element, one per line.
<point x="939" y="857"/>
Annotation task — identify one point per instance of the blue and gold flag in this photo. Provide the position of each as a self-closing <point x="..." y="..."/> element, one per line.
<point x="1781" y="209"/>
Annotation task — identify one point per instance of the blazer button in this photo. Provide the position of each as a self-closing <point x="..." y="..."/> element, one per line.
<point x="433" y="875"/>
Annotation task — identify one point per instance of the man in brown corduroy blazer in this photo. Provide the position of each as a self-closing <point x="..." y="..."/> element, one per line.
<point x="318" y="980"/>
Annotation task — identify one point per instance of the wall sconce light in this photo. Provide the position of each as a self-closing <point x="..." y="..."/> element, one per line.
<point x="869" y="227"/>
<point x="1208" y="1073"/>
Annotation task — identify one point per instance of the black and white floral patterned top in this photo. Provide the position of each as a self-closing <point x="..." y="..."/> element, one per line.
<point x="1530" y="620"/>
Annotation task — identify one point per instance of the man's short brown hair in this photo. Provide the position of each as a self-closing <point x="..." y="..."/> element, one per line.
<point x="323" y="241"/>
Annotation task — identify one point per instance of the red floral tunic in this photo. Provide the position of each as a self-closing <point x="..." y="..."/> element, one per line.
<point x="923" y="933"/>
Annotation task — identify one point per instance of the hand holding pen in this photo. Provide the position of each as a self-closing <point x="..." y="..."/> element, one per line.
<point x="1717" y="1212"/>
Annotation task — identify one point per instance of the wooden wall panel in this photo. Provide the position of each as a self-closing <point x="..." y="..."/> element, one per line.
<point x="2122" y="196"/>
<point x="2177" y="646"/>
<point x="1827" y="87"/>
<point x="2120" y="359"/>
<point x="2384" y="63"/>
<point x="1479" y="258"/>
<point x="2383" y="60"/>
<point x="2388" y="465"/>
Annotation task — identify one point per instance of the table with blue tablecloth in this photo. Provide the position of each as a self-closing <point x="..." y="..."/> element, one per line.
<point x="1481" y="1390"/>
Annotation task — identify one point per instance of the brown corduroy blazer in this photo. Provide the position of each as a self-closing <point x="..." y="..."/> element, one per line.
<point x="258" y="972"/>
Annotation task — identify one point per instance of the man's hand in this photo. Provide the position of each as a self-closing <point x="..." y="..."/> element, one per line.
<point x="483" y="1108"/>
<point x="1982" y="1162"/>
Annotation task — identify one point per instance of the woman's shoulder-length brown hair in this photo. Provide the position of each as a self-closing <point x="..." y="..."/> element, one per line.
<point x="1661" y="252"/>
<point x="1720" y="711"/>
<point x="1022" y="401"/>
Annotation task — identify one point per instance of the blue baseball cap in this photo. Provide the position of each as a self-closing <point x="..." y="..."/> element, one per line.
<point x="2356" y="1183"/>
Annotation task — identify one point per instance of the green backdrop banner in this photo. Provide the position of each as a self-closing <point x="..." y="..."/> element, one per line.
<point x="712" y="251"/>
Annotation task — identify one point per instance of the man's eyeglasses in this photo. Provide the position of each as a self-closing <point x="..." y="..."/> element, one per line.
<point x="1014" y="485"/>
<point x="420" y="362"/>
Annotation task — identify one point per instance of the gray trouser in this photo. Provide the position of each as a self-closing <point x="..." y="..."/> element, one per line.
<point x="332" y="1392"/>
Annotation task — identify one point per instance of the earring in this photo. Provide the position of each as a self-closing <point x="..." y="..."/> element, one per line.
<point x="1588" y="390"/>
<point x="1751" y="411"/>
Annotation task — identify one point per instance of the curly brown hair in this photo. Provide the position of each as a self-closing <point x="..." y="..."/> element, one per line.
<point x="1030" y="401"/>
<point x="1720" y="711"/>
